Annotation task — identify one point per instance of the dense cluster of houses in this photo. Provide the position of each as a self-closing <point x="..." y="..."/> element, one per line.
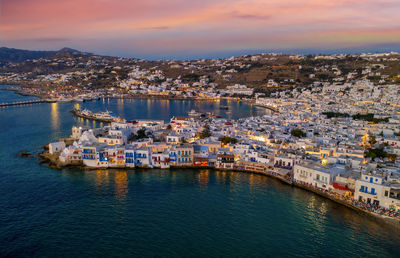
<point x="328" y="156"/>
<point x="79" y="73"/>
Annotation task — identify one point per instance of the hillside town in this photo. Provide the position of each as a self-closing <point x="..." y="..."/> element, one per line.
<point x="71" y="75"/>
<point x="333" y="122"/>
<point x="339" y="140"/>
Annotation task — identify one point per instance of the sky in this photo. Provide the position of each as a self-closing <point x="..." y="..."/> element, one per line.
<point x="201" y="28"/>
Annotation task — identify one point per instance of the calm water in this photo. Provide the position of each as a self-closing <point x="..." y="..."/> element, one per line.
<point x="144" y="213"/>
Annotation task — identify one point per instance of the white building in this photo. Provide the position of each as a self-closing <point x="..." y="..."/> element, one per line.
<point x="374" y="189"/>
<point x="56" y="147"/>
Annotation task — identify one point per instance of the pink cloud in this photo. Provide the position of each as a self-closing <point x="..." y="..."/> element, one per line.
<point x="169" y="24"/>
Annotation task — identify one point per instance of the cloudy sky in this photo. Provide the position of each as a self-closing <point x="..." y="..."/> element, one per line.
<point x="200" y="28"/>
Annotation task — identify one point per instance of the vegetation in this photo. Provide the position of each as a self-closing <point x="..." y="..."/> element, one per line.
<point x="379" y="153"/>
<point x="298" y="133"/>
<point x="366" y="117"/>
<point x="191" y="77"/>
<point x="139" y="135"/>
<point x="372" y="140"/>
<point x="226" y="139"/>
<point x="370" y="118"/>
<point x="335" y="114"/>
<point x="205" y="133"/>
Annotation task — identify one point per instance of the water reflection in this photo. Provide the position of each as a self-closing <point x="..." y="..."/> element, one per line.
<point x="121" y="184"/>
<point x="102" y="179"/>
<point x="55" y="117"/>
<point x="120" y="107"/>
<point x="204" y="178"/>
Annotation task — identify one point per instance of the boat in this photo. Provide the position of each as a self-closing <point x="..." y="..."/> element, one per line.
<point x="64" y="99"/>
<point x="78" y="99"/>
<point x="194" y="113"/>
<point x="106" y="116"/>
<point x="224" y="107"/>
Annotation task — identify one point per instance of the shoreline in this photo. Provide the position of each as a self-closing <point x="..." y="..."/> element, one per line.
<point x="19" y="90"/>
<point x="54" y="164"/>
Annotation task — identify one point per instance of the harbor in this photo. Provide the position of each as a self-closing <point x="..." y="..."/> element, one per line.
<point x="226" y="190"/>
<point x="177" y="144"/>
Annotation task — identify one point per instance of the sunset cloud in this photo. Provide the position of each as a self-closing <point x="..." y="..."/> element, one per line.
<point x="167" y="26"/>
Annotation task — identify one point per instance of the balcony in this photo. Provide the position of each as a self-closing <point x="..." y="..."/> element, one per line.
<point x="362" y="190"/>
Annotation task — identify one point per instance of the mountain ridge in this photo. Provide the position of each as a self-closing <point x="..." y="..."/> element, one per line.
<point x="14" y="55"/>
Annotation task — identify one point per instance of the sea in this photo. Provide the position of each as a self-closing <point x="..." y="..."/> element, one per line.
<point x="161" y="213"/>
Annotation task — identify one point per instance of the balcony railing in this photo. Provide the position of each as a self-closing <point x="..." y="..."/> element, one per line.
<point x="364" y="191"/>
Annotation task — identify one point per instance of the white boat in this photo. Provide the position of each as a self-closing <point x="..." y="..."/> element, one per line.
<point x="104" y="115"/>
<point x="78" y="99"/>
<point x="194" y="113"/>
<point x="64" y="99"/>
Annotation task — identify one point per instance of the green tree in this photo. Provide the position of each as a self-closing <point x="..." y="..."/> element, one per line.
<point x="226" y="139"/>
<point x="140" y="134"/>
<point x="372" y="140"/>
<point x="205" y="133"/>
<point x="298" y="133"/>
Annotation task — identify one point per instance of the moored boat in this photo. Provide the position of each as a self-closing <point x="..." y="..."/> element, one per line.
<point x="106" y="116"/>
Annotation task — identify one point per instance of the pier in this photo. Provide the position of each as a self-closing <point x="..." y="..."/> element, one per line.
<point x="20" y="103"/>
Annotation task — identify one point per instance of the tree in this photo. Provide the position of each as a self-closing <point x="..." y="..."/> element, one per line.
<point x="372" y="140"/>
<point x="140" y="134"/>
<point x="169" y="127"/>
<point x="205" y="133"/>
<point x="226" y="139"/>
<point x="298" y="133"/>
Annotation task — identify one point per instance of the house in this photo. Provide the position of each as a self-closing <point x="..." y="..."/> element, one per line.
<point x="116" y="156"/>
<point x="181" y="155"/>
<point x="174" y="138"/>
<point x="94" y="155"/>
<point x="143" y="156"/>
<point x="56" y="147"/>
<point x="375" y="189"/>
<point x="225" y="159"/>
<point x="160" y="159"/>
<point x="130" y="156"/>
<point x="113" y="139"/>
<point x="316" y="175"/>
<point x="71" y="155"/>
<point x="78" y="131"/>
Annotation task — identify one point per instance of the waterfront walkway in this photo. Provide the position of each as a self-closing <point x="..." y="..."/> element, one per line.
<point x="350" y="202"/>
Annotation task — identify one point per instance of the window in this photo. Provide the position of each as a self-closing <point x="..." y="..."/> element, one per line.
<point x="362" y="188"/>
<point x="373" y="190"/>
<point x="386" y="193"/>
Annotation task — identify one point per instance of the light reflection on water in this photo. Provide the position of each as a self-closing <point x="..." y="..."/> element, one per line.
<point x="151" y="212"/>
<point x="55" y="117"/>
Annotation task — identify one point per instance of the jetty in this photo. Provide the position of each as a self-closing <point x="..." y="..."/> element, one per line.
<point x="21" y="103"/>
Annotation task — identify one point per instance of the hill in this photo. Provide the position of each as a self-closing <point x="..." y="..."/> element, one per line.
<point x="19" y="55"/>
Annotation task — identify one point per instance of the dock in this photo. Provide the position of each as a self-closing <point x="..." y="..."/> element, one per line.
<point x="21" y="103"/>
